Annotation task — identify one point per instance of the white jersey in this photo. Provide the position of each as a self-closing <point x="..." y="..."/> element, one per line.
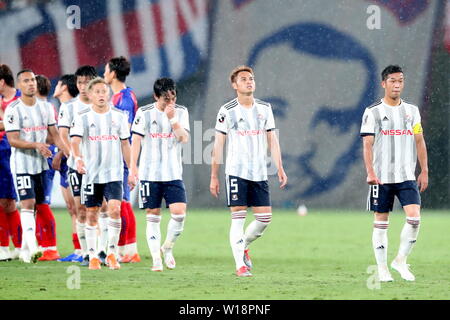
<point x="394" y="148"/>
<point x="32" y="123"/>
<point x="161" y="152"/>
<point x="67" y="113"/>
<point x="246" y="129"/>
<point x="101" y="135"/>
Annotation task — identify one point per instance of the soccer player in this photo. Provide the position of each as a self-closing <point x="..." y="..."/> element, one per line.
<point x="104" y="133"/>
<point x="66" y="90"/>
<point x="45" y="220"/>
<point x="250" y="127"/>
<point x="9" y="215"/>
<point x="28" y="123"/>
<point x="116" y="72"/>
<point x="392" y="142"/>
<point x="68" y="112"/>
<point x="160" y="128"/>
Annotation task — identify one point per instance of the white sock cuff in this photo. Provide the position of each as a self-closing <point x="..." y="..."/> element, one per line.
<point x="263" y="217"/>
<point x="115" y="223"/>
<point x="27" y="211"/>
<point x="381" y="224"/>
<point x="103" y="215"/>
<point x="239" y="214"/>
<point x="78" y="223"/>
<point x="153" y="218"/>
<point x="178" y="217"/>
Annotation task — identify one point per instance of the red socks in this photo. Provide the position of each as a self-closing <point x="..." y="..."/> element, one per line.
<point x="45" y="226"/>
<point x="4" y="230"/>
<point x="75" y="241"/>
<point x="125" y="219"/>
<point x="10" y="226"/>
<point x="131" y="233"/>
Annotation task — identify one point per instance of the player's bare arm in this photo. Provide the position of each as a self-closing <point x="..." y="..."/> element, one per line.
<point x="275" y="151"/>
<point x="422" y="179"/>
<point x="75" y="144"/>
<point x="180" y="133"/>
<point x="53" y="131"/>
<point x="126" y="151"/>
<point x="216" y="160"/>
<point x="16" y="142"/>
<point x="135" y="150"/>
<point x="368" y="160"/>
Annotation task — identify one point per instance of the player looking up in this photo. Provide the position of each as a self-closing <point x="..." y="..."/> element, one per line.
<point x="249" y="125"/>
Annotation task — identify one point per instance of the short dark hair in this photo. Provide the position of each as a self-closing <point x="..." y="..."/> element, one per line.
<point x="7" y="75"/>
<point x="238" y="69"/>
<point x="86" y="71"/>
<point x="70" y="80"/>
<point x="163" y="85"/>
<point x="121" y="66"/>
<point x="23" y="71"/>
<point x="43" y="85"/>
<point x="389" y="70"/>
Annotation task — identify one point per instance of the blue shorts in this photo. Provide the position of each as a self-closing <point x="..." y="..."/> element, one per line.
<point x="63" y="171"/>
<point x="126" y="187"/>
<point x="48" y="176"/>
<point x="242" y="192"/>
<point x="93" y="194"/>
<point x="381" y="197"/>
<point x="151" y="193"/>
<point x="7" y="189"/>
<point x="32" y="186"/>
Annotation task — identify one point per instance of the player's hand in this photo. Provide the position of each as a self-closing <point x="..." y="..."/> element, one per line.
<point x="422" y="181"/>
<point x="56" y="163"/>
<point x="132" y="179"/>
<point x="282" y="178"/>
<point x="214" y="187"/>
<point x="372" y="179"/>
<point x="81" y="168"/>
<point x="43" y="149"/>
<point x="170" y="111"/>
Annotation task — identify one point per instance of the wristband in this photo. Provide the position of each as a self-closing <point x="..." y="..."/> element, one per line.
<point x="173" y="121"/>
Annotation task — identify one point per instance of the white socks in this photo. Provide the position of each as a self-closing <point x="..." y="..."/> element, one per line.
<point x="91" y="240"/>
<point x="174" y="229"/>
<point x="380" y="241"/>
<point x="103" y="227"/>
<point x="82" y="237"/>
<point x="114" y="226"/>
<point x="237" y="237"/>
<point x="408" y="238"/>
<point x="28" y="223"/>
<point x="257" y="227"/>
<point x="153" y="235"/>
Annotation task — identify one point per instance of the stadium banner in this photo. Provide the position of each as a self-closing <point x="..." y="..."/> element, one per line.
<point x="160" y="37"/>
<point x="318" y="63"/>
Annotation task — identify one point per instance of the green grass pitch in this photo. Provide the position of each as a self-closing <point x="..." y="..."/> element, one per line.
<point x="324" y="255"/>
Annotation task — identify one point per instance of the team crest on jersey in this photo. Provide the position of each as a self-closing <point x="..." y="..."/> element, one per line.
<point x="11" y="118"/>
<point x="260" y="116"/>
<point x="23" y="192"/>
<point x="137" y="120"/>
<point x="61" y="114"/>
<point x="221" y="118"/>
<point x="234" y="197"/>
